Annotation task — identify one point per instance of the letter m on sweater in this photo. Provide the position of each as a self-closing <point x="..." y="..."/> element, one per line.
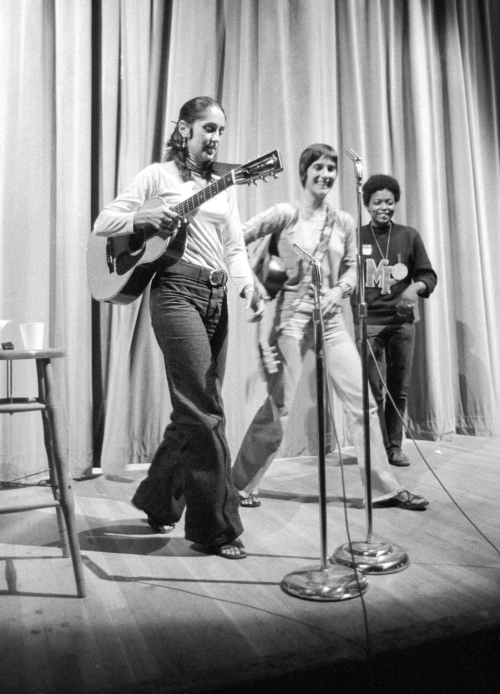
<point x="380" y="275"/>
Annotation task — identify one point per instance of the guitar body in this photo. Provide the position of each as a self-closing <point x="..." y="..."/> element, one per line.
<point x="119" y="268"/>
<point x="118" y="272"/>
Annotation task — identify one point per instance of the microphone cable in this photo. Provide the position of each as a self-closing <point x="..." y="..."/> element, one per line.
<point x="465" y="515"/>
<point x="369" y="650"/>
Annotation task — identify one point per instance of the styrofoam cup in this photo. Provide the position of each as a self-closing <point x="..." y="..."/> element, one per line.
<point x="32" y="335"/>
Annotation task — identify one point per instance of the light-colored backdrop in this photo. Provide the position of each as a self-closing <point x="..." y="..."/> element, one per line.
<point x="89" y="93"/>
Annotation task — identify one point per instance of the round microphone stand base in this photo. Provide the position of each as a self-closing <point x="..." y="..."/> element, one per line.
<point x="92" y="472"/>
<point x="325" y="584"/>
<point x="371" y="557"/>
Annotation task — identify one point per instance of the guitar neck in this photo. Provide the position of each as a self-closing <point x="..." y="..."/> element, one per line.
<point x="186" y="206"/>
<point x="207" y="193"/>
<point x="267" y="165"/>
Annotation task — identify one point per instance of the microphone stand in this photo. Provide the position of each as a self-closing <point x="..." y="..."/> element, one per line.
<point x="327" y="581"/>
<point x="368" y="556"/>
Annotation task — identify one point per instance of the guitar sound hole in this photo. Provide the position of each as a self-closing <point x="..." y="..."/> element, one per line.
<point x="136" y="243"/>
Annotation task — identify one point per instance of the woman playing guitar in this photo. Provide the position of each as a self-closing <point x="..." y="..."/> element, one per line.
<point x="191" y="468"/>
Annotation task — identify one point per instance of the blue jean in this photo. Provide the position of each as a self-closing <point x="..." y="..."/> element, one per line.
<point x="343" y="365"/>
<point x="393" y="347"/>
<point x="192" y="468"/>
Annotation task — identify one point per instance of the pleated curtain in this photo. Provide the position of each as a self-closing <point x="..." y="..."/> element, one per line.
<point x="90" y="91"/>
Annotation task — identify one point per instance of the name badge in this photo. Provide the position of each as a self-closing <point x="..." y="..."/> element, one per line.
<point x="367" y="249"/>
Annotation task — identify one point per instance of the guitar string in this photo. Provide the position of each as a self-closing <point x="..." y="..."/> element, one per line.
<point x="192" y="203"/>
<point x="195" y="201"/>
<point x="263" y="167"/>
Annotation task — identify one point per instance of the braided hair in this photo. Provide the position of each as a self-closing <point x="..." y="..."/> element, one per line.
<point x="176" y="149"/>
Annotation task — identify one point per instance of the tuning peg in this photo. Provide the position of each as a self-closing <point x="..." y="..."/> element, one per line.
<point x="264" y="178"/>
<point x="254" y="182"/>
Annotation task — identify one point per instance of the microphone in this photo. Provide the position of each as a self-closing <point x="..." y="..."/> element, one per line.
<point x="352" y="155"/>
<point x="303" y="254"/>
<point x="315" y="264"/>
<point x="357" y="164"/>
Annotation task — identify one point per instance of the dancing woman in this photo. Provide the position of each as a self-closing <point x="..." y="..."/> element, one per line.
<point x="328" y="235"/>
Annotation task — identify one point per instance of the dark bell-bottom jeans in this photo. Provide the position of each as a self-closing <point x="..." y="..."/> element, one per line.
<point x="393" y="347"/>
<point x="191" y="468"/>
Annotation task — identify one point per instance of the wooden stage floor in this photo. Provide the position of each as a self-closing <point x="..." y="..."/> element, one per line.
<point x="161" y="617"/>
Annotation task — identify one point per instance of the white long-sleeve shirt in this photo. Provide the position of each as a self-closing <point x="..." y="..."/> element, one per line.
<point x="214" y="239"/>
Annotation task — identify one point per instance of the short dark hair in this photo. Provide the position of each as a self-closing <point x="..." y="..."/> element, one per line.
<point x="380" y="182"/>
<point x="191" y="111"/>
<point x="312" y="154"/>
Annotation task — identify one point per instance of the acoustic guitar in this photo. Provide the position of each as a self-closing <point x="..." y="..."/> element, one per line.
<point x="120" y="268"/>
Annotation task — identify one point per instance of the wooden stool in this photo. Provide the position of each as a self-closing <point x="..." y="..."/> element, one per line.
<point x="56" y="445"/>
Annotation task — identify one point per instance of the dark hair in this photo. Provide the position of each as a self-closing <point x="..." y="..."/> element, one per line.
<point x="191" y="111"/>
<point x="380" y="182"/>
<point x="312" y="154"/>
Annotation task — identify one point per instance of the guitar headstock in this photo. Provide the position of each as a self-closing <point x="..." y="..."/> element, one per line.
<point x="268" y="165"/>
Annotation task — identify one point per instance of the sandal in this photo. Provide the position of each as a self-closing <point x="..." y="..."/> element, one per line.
<point x="406" y="499"/>
<point x="224" y="550"/>
<point x="250" y="501"/>
<point x="158" y="527"/>
<point x="155" y="525"/>
<point x="237" y="544"/>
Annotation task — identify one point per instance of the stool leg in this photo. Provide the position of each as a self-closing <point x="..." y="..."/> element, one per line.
<point x="60" y="456"/>
<point x="54" y="481"/>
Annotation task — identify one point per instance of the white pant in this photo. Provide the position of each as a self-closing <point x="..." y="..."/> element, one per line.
<point x="343" y="366"/>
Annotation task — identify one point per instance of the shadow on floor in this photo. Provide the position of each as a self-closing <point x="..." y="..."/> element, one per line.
<point x="465" y="665"/>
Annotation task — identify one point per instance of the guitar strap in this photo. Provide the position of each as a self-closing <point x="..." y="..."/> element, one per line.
<point x="318" y="254"/>
<point x="221" y="169"/>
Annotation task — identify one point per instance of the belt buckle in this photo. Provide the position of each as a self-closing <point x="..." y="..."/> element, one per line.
<point x="211" y="278"/>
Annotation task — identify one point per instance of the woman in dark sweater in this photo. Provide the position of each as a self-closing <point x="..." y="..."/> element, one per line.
<point x="397" y="271"/>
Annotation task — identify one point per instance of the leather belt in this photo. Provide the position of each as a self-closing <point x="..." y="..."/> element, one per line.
<point x="214" y="278"/>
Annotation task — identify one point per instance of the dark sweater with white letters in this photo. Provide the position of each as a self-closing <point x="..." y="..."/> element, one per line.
<point x="391" y="265"/>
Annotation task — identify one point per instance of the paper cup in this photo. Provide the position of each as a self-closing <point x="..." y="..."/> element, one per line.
<point x="32" y="335"/>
